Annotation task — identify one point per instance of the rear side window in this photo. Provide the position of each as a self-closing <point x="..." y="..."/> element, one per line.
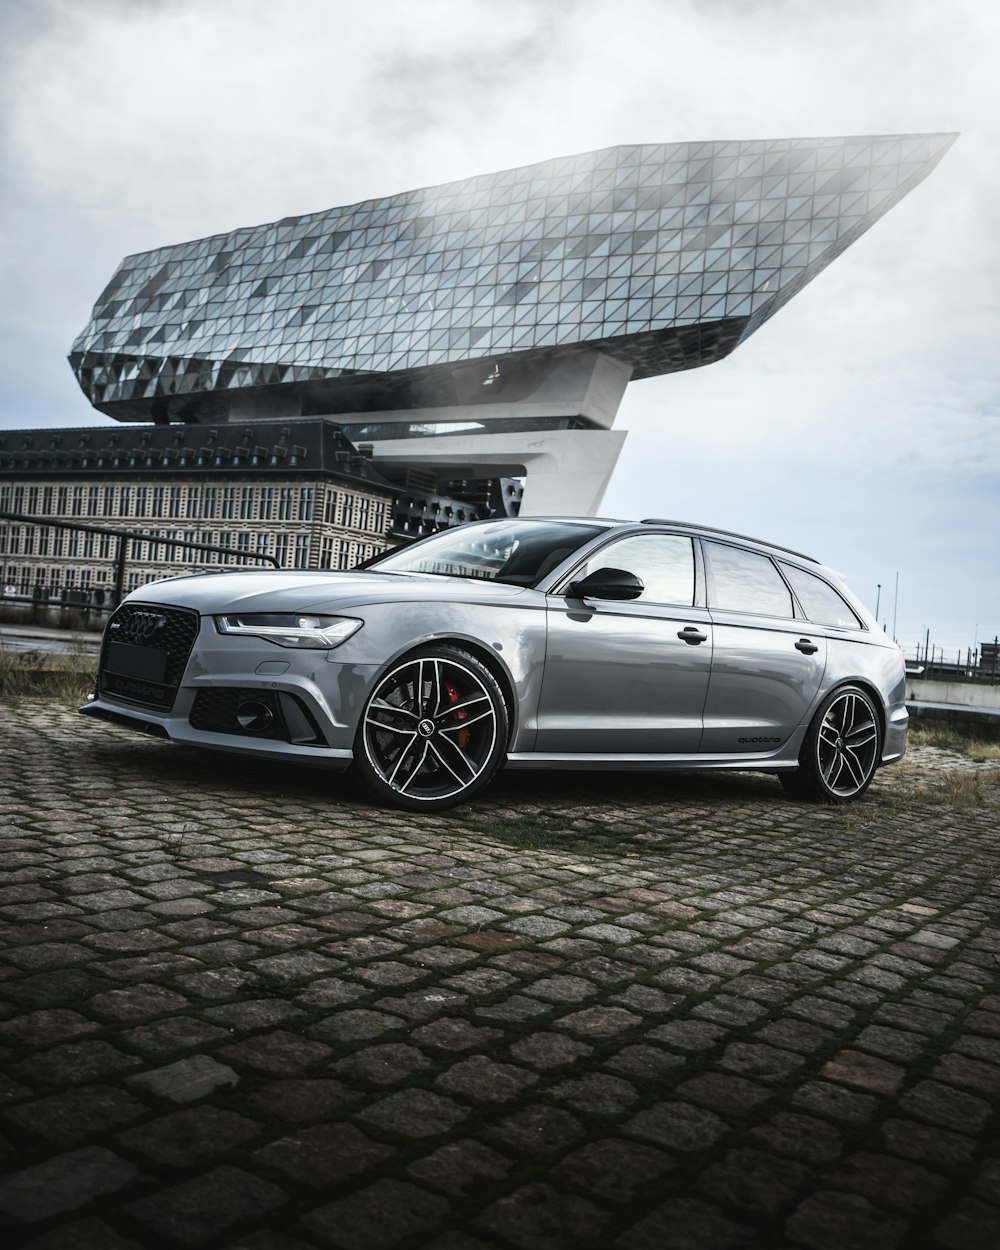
<point x="743" y="581"/>
<point x="819" y="600"/>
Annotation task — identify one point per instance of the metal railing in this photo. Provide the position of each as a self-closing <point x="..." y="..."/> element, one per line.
<point x="124" y="539"/>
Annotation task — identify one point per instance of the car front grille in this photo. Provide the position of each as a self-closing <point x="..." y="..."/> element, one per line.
<point x="145" y="651"/>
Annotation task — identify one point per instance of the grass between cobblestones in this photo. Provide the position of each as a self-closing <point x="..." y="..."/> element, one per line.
<point x="244" y="1010"/>
<point x="950" y="738"/>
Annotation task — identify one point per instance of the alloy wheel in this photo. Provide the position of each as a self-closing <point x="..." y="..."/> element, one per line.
<point x="847" y="745"/>
<point x="431" y="729"/>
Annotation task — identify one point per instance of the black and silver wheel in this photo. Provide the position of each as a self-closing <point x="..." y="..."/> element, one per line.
<point x="841" y="749"/>
<point x="433" y="731"/>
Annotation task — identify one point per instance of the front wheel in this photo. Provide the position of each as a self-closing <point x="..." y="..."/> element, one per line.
<point x="433" y="731"/>
<point x="841" y="749"/>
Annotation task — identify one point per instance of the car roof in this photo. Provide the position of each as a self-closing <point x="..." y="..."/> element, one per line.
<point x="712" y="529"/>
<point x="616" y="522"/>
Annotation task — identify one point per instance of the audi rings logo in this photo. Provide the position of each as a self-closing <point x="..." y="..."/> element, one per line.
<point x="143" y="626"/>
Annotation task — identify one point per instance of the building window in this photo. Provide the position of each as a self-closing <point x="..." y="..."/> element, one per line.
<point x="286" y="503"/>
<point x="208" y="511"/>
<point x="246" y="503"/>
<point x="176" y="500"/>
<point x="281" y="545"/>
<point x="306" y="500"/>
<point x="302" y="551"/>
<point x="228" y="503"/>
<point x="141" y="500"/>
<point x="193" y="503"/>
<point x="265" y="511"/>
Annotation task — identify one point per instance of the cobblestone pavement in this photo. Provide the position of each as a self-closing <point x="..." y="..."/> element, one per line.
<point x="242" y="1009"/>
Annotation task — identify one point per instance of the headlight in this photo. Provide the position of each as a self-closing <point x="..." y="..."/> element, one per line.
<point x="289" y="629"/>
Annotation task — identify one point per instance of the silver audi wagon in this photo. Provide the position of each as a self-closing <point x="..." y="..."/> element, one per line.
<point x="527" y="643"/>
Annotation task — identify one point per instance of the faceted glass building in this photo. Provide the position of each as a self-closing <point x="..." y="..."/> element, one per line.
<point x="510" y="303"/>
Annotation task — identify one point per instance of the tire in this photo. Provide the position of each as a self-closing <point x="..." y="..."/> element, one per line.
<point x="433" y="731"/>
<point x="841" y="750"/>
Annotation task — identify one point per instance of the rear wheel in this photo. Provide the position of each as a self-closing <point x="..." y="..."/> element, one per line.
<point x="841" y="749"/>
<point x="433" y="731"/>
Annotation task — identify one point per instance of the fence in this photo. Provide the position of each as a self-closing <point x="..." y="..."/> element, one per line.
<point x="80" y="600"/>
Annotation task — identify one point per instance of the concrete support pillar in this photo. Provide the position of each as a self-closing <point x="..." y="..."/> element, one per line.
<point x="566" y="472"/>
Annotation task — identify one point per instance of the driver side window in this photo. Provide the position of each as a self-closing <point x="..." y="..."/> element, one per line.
<point x="663" y="562"/>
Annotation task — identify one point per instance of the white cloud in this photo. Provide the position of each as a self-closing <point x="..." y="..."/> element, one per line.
<point x="226" y="110"/>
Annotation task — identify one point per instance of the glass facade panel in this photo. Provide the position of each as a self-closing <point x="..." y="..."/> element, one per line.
<point x="434" y="277"/>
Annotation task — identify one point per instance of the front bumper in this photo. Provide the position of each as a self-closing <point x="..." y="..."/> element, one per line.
<point x="178" y="729"/>
<point x="245" y="696"/>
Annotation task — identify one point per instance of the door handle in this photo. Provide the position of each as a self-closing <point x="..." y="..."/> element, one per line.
<point x="806" y="647"/>
<point x="691" y="634"/>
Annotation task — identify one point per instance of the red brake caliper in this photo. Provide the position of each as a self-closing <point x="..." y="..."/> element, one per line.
<point x="463" y="735"/>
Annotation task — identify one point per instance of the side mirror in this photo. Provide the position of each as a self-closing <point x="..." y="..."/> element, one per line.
<point x="607" y="584"/>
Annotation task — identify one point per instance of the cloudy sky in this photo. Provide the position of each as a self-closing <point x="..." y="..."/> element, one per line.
<point x="861" y="424"/>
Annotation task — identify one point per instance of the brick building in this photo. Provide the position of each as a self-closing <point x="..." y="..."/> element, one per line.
<point x="301" y="493"/>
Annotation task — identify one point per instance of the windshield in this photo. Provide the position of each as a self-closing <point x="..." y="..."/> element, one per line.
<point x="519" y="553"/>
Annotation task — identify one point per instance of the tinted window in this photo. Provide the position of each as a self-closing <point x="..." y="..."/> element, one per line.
<point x="743" y="581"/>
<point x="663" y="562"/>
<point x="514" y="551"/>
<point x="820" y="602"/>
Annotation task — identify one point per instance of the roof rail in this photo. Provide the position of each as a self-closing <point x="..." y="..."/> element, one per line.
<point x="712" y="529"/>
